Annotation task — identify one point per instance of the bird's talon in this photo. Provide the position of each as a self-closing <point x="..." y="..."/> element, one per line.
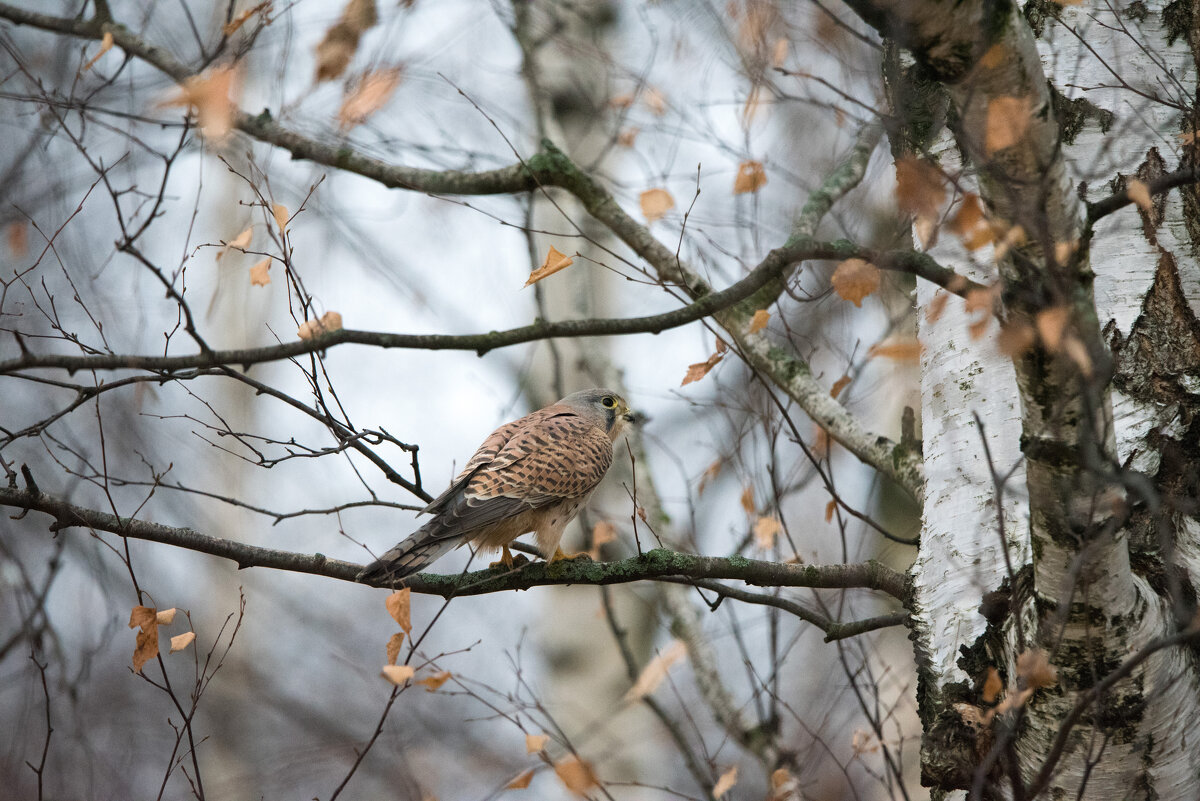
<point x="560" y="555"/>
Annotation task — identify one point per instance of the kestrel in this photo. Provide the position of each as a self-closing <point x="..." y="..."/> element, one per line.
<point x="533" y="474"/>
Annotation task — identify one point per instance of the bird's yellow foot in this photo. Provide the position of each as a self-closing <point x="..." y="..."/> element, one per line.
<point x="560" y="555"/>
<point x="506" y="559"/>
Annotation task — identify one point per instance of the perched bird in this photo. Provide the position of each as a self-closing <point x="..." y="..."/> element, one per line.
<point x="533" y="474"/>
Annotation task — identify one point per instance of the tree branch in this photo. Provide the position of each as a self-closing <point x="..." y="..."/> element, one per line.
<point x="659" y="563"/>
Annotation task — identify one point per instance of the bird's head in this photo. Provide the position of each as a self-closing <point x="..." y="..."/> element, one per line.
<point x="603" y="407"/>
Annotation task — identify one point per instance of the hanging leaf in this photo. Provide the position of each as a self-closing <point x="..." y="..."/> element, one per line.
<point x="750" y="178"/>
<point x="920" y="188"/>
<point x="554" y="262"/>
<point x="854" y="279"/>
<point x="181" y="641"/>
<point x="839" y="385"/>
<point x="330" y="321"/>
<point x="208" y="94"/>
<point x="393" y="647"/>
<point x="397" y="674"/>
<point x="166" y="617"/>
<point x="521" y="782"/>
<point x="759" y="321"/>
<point x="747" y="501"/>
<point x="1139" y="193"/>
<point x="399" y="606"/>
<point x="432" y="683"/>
<point x="765" y="531"/>
<point x="232" y="27"/>
<point x="536" y="742"/>
<point x="726" y="782"/>
<point x="656" y="670"/>
<point x="337" y="48"/>
<point x="106" y="43"/>
<point x="1007" y="122"/>
<point x="700" y="369"/>
<point x="576" y="774"/>
<point x="370" y="94"/>
<point x="259" y="273"/>
<point x="901" y="350"/>
<point x="656" y="203"/>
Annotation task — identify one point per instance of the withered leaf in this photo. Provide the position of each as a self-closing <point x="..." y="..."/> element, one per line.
<point x="260" y="273"/>
<point x="399" y="606"/>
<point x="839" y="385"/>
<point x="432" y="683"/>
<point x="656" y="670"/>
<point x="750" y="177"/>
<point x="656" y="203"/>
<point x="655" y="101"/>
<point x="521" y="781"/>
<point x="854" y="279"/>
<point x="747" y="501"/>
<point x="232" y="27"/>
<point x="765" y="531"/>
<point x="337" y="48"/>
<point x="369" y="95"/>
<point x="554" y="262"/>
<point x="1051" y="323"/>
<point x="726" y="782"/>
<point x="604" y="532"/>
<point x="330" y="321"/>
<point x="17" y="234"/>
<point x="1034" y="666"/>
<point x="208" y="94"/>
<point x="1007" y="121"/>
<point x="902" y="350"/>
<point x="700" y="369"/>
<point x="166" y="617"/>
<point x="397" y="674"/>
<point x="393" y="647"/>
<point x="710" y="473"/>
<point x="536" y="742"/>
<point x="181" y="641"/>
<point x="1139" y="193"/>
<point x="830" y="508"/>
<point x="920" y="188"/>
<point x="280" y="212"/>
<point x="759" y="321"/>
<point x="576" y="774"/>
<point x="146" y="647"/>
<point x="106" y="43"/>
<point x="142" y="616"/>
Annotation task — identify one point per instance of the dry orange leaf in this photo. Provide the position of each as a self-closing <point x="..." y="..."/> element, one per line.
<point x="181" y="641"/>
<point x="554" y="262"/>
<point x="371" y="94"/>
<point x="536" y="742"/>
<point x="747" y="501"/>
<point x="142" y="616"/>
<point x="655" y="101"/>
<point x="623" y="100"/>
<point x="779" y="53"/>
<point x="839" y="385"/>
<point x="900" y="350"/>
<point x="1051" y="324"/>
<point x="232" y="27"/>
<point x="399" y="606"/>
<point x="759" y="321"/>
<point x="656" y="671"/>
<point x="700" y="369"/>
<point x="978" y="305"/>
<point x="166" y="617"/>
<point x="920" y="188"/>
<point x="1007" y="121"/>
<point x="854" y="279"/>
<point x="330" y="321"/>
<point x="241" y="241"/>
<point x="397" y="674"/>
<point x="1074" y="347"/>
<point x="726" y="782"/>
<point x="106" y="43"/>
<point x="710" y="473"/>
<point x="146" y="648"/>
<point x="627" y="137"/>
<point x="765" y="531"/>
<point x="1034" y="666"/>
<point x="576" y="774"/>
<point x="1139" y="193"/>
<point x="393" y="647"/>
<point x="337" y="48"/>
<point x="604" y="532"/>
<point x="993" y="58"/>
<point x="830" y="508"/>
<point x="656" y="203"/>
<point x="521" y="782"/>
<point x="1015" y="338"/>
<point x="208" y="95"/>
<point x="750" y="177"/>
<point x="17" y="234"/>
<point x="432" y="683"/>
<point x="259" y="273"/>
<point x="280" y="212"/>
<point x="992" y="686"/>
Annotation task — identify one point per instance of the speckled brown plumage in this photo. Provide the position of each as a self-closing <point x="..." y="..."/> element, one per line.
<point x="533" y="474"/>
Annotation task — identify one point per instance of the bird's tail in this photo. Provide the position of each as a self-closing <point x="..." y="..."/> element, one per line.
<point x="412" y="554"/>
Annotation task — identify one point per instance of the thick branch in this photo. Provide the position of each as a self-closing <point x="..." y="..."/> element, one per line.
<point x="654" y="564"/>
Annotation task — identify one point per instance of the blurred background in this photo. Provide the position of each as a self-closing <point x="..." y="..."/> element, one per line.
<point x="644" y="96"/>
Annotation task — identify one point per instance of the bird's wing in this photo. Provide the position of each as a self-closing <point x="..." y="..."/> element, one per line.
<point x="554" y="458"/>
<point x="487" y="451"/>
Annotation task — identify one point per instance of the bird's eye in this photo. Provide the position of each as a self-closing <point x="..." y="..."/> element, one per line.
<point x="608" y="402"/>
